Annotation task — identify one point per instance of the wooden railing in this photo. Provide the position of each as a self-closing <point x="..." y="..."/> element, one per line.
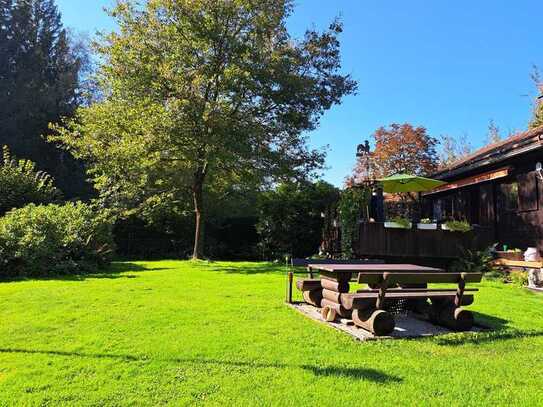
<point x="377" y="241"/>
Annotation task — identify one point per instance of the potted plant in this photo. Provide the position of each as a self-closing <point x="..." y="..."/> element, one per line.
<point x="427" y="224"/>
<point x="456" y="226"/>
<point x="398" y="223"/>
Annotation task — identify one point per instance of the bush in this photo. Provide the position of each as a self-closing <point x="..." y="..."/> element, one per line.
<point x="21" y="184"/>
<point x="478" y="261"/>
<point x="290" y="220"/>
<point x="54" y="239"/>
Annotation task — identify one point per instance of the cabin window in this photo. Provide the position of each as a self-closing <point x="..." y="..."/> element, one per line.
<point x="508" y="196"/>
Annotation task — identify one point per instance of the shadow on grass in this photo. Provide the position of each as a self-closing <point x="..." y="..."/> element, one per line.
<point x="329" y="371"/>
<point x="264" y="268"/>
<point x="115" y="270"/>
<point x="356" y="373"/>
<point x="480" y="338"/>
<point x="490" y="322"/>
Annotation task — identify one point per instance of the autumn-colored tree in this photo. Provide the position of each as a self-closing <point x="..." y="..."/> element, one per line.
<point x="403" y="148"/>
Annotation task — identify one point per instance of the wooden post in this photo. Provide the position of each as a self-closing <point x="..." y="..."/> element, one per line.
<point x="382" y="292"/>
<point x="460" y="290"/>
<point x="289" y="287"/>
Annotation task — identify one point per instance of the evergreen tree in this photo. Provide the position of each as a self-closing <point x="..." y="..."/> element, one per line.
<point x="39" y="83"/>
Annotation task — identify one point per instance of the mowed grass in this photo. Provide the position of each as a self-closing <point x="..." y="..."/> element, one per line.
<point x="184" y="333"/>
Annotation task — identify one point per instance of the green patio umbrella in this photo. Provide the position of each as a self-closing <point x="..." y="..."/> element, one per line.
<point x="409" y="183"/>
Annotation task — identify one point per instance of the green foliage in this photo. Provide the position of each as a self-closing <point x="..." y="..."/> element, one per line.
<point x="54" y="239"/>
<point x="21" y="184"/>
<point x="403" y="222"/>
<point x="537" y="119"/>
<point x="290" y="218"/>
<point x="426" y="221"/>
<point x="478" y="261"/>
<point x="351" y="205"/>
<point x="201" y="95"/>
<point x="519" y="278"/>
<point x="41" y="73"/>
<point x="458" y="226"/>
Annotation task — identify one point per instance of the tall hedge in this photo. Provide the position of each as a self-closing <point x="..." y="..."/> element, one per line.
<point x="291" y="218"/>
<point x="54" y="239"/>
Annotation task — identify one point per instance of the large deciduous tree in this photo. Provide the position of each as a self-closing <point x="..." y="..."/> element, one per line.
<point x="402" y="148"/>
<point x="40" y="71"/>
<point x="203" y="94"/>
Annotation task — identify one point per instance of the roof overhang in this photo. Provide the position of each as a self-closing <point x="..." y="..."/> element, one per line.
<point x="476" y="179"/>
<point x="495" y="156"/>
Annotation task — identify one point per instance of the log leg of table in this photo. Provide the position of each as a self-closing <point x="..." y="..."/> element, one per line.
<point x="339" y="309"/>
<point x="450" y="316"/>
<point x="313" y="297"/>
<point x="329" y="314"/>
<point x="376" y="321"/>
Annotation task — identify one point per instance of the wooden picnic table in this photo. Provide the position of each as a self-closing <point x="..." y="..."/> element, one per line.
<point x="389" y="282"/>
<point x="344" y="272"/>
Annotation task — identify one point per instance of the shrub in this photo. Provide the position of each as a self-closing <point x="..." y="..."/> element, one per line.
<point x="21" y="184"/>
<point x="458" y="226"/>
<point x="290" y="220"/>
<point x="403" y="222"/>
<point x="351" y="204"/>
<point x="478" y="261"/>
<point x="54" y="239"/>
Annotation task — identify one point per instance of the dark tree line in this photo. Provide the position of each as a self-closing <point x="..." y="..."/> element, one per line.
<point x="40" y="74"/>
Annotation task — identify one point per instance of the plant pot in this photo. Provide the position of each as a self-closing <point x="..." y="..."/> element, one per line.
<point x="394" y="225"/>
<point x="427" y="226"/>
<point x="445" y="227"/>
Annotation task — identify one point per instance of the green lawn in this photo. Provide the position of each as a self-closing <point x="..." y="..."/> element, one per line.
<point x="181" y="333"/>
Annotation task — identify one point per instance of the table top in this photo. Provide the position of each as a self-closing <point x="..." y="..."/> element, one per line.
<point x="358" y="268"/>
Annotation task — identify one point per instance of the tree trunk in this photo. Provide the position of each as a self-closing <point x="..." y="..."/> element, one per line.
<point x="198" y="197"/>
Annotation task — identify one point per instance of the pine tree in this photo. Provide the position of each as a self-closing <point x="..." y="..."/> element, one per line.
<point x="39" y="84"/>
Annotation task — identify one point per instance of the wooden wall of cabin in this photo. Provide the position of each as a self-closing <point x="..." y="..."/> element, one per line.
<point x="512" y="206"/>
<point x="521" y="227"/>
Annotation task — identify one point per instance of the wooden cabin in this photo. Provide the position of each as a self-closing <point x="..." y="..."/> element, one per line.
<point x="499" y="188"/>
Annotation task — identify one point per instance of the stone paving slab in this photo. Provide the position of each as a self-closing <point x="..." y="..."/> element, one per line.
<point x="407" y="326"/>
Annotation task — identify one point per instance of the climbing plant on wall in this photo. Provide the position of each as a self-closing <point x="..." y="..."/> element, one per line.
<point x="351" y="207"/>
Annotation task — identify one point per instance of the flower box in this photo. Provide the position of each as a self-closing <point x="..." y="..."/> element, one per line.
<point x="395" y="225"/>
<point x="427" y="226"/>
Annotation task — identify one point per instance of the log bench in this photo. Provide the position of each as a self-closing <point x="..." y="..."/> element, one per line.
<point x="445" y="308"/>
<point x="311" y="284"/>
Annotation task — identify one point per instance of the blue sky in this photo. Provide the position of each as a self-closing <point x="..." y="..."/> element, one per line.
<point x="449" y="66"/>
